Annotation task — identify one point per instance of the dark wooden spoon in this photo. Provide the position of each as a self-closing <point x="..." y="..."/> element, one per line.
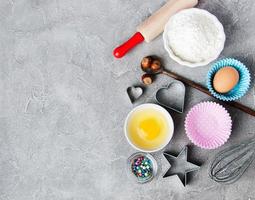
<point x="160" y="70"/>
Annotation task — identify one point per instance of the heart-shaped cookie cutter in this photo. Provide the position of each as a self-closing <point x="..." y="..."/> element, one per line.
<point x="172" y="96"/>
<point x="134" y="93"/>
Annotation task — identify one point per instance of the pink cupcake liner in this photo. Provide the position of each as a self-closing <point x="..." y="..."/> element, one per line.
<point x="208" y="125"/>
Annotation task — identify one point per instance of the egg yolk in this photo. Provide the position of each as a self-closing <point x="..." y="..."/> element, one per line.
<point x="149" y="129"/>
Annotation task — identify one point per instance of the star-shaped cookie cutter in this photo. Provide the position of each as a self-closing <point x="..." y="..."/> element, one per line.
<point x="179" y="165"/>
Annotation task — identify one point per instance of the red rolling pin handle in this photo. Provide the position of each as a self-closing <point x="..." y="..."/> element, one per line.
<point x="132" y="42"/>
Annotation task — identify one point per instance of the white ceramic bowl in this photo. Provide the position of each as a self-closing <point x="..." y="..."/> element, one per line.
<point x="214" y="20"/>
<point x="167" y="116"/>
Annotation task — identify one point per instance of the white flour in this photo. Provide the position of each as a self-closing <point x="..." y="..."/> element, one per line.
<point x="194" y="37"/>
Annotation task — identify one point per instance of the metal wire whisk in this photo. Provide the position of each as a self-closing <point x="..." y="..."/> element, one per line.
<point x="230" y="164"/>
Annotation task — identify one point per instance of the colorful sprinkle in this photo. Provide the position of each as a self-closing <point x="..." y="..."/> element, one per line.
<point x="142" y="167"/>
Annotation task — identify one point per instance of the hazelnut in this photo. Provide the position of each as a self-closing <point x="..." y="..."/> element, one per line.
<point x="155" y="65"/>
<point x="146" y="62"/>
<point x="147" y="79"/>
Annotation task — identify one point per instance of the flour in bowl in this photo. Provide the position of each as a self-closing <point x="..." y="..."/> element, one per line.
<point x="195" y="36"/>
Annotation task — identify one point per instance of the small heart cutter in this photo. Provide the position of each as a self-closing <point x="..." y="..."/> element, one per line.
<point x="172" y="96"/>
<point x="134" y="93"/>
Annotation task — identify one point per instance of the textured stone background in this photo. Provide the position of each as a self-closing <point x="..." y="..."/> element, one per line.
<point x="63" y="101"/>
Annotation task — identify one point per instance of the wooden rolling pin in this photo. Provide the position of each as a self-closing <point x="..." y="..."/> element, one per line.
<point x="154" y="25"/>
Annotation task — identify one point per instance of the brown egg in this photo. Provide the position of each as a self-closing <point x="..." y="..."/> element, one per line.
<point x="225" y="79"/>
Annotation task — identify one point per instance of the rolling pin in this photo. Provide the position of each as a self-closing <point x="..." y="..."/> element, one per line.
<point x="154" y="25"/>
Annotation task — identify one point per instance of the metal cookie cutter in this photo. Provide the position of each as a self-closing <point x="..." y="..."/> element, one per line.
<point x="180" y="165"/>
<point x="172" y="96"/>
<point x="134" y="93"/>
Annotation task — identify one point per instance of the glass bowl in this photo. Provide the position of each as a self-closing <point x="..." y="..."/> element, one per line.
<point x="141" y="167"/>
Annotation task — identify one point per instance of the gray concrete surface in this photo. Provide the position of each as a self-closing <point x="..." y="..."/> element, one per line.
<point x="63" y="101"/>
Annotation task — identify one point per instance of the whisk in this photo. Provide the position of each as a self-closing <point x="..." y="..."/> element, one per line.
<point x="230" y="164"/>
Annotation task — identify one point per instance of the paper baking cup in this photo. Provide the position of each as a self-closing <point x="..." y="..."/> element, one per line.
<point x="240" y="89"/>
<point x="208" y="125"/>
